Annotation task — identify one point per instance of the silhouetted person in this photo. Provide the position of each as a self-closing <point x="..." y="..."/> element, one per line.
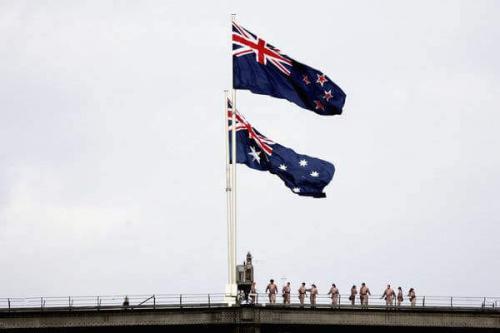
<point x="125" y="301"/>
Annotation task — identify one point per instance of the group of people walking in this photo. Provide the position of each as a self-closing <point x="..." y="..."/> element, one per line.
<point x="389" y="295"/>
<point x="364" y="292"/>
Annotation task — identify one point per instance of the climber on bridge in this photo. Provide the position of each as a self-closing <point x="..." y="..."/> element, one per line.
<point x="286" y="293"/>
<point x="388" y="295"/>
<point x="273" y="290"/>
<point x="302" y="293"/>
<point x="334" y="294"/>
<point x="313" y="292"/>
<point x="364" y="292"/>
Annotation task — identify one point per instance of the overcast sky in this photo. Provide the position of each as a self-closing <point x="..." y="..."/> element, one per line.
<point x="112" y="147"/>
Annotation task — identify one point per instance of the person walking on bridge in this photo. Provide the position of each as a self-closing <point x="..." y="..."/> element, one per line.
<point x="400" y="296"/>
<point x="313" y="292"/>
<point x="286" y="293"/>
<point x="272" y="288"/>
<point x="354" y="292"/>
<point x="302" y="293"/>
<point x="388" y="295"/>
<point x="334" y="294"/>
<point x="364" y="292"/>
<point x="412" y="296"/>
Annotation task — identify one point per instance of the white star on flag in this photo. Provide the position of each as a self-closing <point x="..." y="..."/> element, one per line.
<point x="328" y="95"/>
<point x="296" y="190"/>
<point x="314" y="174"/>
<point x="283" y="167"/>
<point x="255" y="154"/>
<point x="303" y="163"/>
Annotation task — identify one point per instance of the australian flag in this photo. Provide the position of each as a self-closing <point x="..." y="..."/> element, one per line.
<point x="302" y="174"/>
<point x="263" y="69"/>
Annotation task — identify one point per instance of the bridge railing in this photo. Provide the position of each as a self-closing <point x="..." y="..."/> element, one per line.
<point x="379" y="301"/>
<point x="219" y="300"/>
<point x="113" y="301"/>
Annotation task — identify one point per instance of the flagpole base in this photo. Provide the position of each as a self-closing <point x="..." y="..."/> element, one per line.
<point x="231" y="294"/>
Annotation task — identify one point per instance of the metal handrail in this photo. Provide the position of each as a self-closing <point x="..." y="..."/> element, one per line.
<point x="157" y="301"/>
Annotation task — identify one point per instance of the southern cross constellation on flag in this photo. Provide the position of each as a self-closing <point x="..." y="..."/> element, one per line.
<point x="263" y="69"/>
<point x="304" y="175"/>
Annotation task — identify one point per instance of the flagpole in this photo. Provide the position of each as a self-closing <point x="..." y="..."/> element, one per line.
<point x="233" y="187"/>
<point x="231" y="287"/>
<point x="233" y="171"/>
<point x="229" y="199"/>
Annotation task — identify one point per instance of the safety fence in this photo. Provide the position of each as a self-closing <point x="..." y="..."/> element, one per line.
<point x="378" y="301"/>
<point x="130" y="302"/>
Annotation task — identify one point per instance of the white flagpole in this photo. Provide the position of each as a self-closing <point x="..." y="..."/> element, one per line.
<point x="233" y="186"/>
<point x="233" y="169"/>
<point x="228" y="188"/>
<point x="231" y="288"/>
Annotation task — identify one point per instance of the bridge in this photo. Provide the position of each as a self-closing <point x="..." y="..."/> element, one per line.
<point x="209" y="312"/>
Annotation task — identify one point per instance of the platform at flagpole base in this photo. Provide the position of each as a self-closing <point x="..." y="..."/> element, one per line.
<point x="230" y="294"/>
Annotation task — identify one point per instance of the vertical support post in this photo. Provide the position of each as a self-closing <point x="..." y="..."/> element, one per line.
<point x="154" y="302"/>
<point x="180" y="301"/>
<point x="8" y="302"/>
<point x="451" y="301"/>
<point x="209" y="300"/>
<point x="41" y="303"/>
<point x="423" y="301"/>
<point x="69" y="303"/>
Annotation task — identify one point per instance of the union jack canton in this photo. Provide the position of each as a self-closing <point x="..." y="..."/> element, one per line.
<point x="263" y="69"/>
<point x="302" y="174"/>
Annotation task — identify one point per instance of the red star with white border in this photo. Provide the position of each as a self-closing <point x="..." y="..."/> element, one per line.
<point x="321" y="79"/>
<point x="319" y="105"/>
<point x="328" y="95"/>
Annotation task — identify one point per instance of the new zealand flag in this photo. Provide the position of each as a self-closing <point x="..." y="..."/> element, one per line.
<point x="263" y="69"/>
<point x="302" y="174"/>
